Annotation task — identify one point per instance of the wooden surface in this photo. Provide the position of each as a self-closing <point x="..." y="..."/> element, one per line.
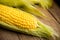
<point x="53" y="13"/>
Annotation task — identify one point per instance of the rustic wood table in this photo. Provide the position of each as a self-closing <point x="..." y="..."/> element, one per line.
<point x="53" y="13"/>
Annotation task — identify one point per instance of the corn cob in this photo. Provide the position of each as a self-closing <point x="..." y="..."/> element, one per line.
<point x="18" y="20"/>
<point x="24" y="5"/>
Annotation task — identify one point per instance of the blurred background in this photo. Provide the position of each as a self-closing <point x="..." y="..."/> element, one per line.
<point x="58" y="2"/>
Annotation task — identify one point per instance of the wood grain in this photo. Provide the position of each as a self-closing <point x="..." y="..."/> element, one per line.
<point x="55" y="12"/>
<point x="7" y="35"/>
<point x="27" y="37"/>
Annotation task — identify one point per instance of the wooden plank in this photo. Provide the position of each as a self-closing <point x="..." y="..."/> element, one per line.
<point x="28" y="37"/>
<point x="7" y="35"/>
<point x="55" y="12"/>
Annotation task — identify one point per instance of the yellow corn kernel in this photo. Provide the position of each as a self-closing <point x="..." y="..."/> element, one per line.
<point x="17" y="17"/>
